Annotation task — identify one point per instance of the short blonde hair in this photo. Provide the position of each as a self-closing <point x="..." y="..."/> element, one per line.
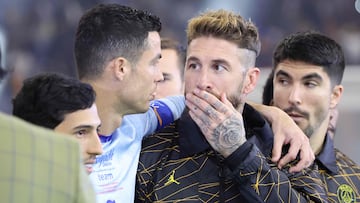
<point x="225" y="25"/>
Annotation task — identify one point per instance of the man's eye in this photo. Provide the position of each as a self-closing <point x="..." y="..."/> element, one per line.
<point x="219" y="68"/>
<point x="193" y="66"/>
<point x="283" y="81"/>
<point x="80" y="133"/>
<point x="311" y="84"/>
<point x="165" y="79"/>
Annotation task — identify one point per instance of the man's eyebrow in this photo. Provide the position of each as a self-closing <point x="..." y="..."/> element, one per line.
<point x="282" y="73"/>
<point x="221" y="61"/>
<point x="82" y="127"/>
<point x="312" y="76"/>
<point x="193" y="58"/>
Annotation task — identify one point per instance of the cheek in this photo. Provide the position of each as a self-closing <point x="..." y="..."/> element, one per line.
<point x="163" y="87"/>
<point x="83" y="146"/>
<point x="189" y="84"/>
<point x="188" y="87"/>
<point x="229" y="89"/>
<point x="177" y="83"/>
<point x="144" y="79"/>
<point x="279" y="97"/>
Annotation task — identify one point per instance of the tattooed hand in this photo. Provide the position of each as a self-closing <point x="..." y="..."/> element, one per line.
<point x="221" y="124"/>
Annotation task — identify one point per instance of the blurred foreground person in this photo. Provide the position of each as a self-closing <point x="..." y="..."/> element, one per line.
<point x="39" y="165"/>
<point x="65" y="105"/>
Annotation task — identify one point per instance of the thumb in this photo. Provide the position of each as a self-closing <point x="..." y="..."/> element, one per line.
<point x="224" y="99"/>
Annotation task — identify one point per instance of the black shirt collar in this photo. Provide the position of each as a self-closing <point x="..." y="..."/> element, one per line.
<point x="327" y="156"/>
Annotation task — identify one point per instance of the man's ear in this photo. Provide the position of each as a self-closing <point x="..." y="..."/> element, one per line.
<point x="336" y="94"/>
<point x="120" y="67"/>
<point x="251" y="79"/>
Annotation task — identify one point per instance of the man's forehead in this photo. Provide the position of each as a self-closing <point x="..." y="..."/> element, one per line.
<point x="218" y="48"/>
<point x="291" y="65"/>
<point x="300" y="70"/>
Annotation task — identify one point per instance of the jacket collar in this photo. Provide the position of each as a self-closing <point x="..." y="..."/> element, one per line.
<point x="327" y="156"/>
<point x="192" y="141"/>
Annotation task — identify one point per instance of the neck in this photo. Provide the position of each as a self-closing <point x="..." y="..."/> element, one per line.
<point x="107" y="102"/>
<point x="110" y="120"/>
<point x="318" y="137"/>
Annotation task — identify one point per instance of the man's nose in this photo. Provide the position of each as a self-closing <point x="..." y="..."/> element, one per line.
<point x="203" y="82"/>
<point x="295" y="95"/>
<point x="94" y="146"/>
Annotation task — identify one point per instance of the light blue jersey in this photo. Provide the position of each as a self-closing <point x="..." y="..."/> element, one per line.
<point x="114" y="172"/>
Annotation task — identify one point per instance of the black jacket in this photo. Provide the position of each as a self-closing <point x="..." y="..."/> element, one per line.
<point x="339" y="173"/>
<point x="178" y="165"/>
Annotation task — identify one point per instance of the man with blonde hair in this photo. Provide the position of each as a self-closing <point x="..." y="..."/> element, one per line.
<point x="220" y="148"/>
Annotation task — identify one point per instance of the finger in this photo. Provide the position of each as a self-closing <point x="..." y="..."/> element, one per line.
<point x="195" y="100"/>
<point x="224" y="99"/>
<point x="305" y="161"/>
<point x="198" y="101"/>
<point x="202" y="118"/>
<point x="207" y="93"/>
<point x="218" y="101"/>
<point x="194" y="108"/>
<point x="290" y="156"/>
<point x="210" y="98"/>
<point x="307" y="157"/>
<point x="205" y="106"/>
<point x="203" y="126"/>
<point x="196" y="118"/>
<point x="277" y="148"/>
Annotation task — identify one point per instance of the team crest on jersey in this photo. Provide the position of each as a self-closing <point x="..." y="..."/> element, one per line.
<point x="346" y="194"/>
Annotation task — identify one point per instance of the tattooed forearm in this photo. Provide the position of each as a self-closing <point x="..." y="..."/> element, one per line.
<point x="229" y="135"/>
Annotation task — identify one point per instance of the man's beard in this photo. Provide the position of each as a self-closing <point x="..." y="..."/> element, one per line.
<point x="237" y="101"/>
<point x="319" y="117"/>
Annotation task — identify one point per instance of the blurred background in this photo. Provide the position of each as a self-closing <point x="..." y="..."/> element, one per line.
<point x="39" y="36"/>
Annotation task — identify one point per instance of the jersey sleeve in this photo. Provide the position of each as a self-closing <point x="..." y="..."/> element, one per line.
<point x="161" y="113"/>
<point x="167" y="110"/>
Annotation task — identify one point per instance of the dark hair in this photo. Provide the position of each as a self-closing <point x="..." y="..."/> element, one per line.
<point x="313" y="48"/>
<point x="45" y="99"/>
<point x="108" y="31"/>
<point x="3" y="72"/>
<point x="268" y="91"/>
<point x="167" y="43"/>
